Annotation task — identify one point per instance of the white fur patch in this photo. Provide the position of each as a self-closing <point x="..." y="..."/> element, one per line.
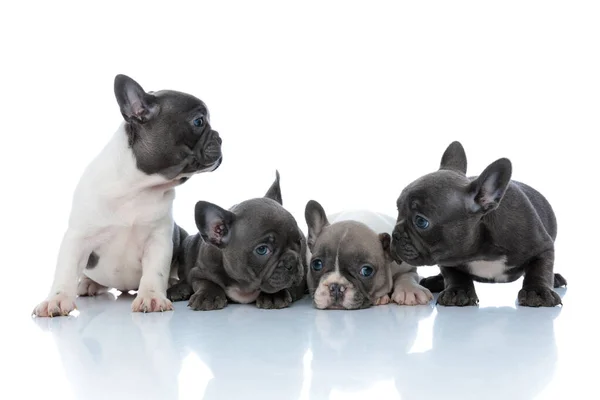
<point x="125" y="217"/>
<point x="489" y="269"/>
<point x="235" y="294"/>
<point x="322" y="295"/>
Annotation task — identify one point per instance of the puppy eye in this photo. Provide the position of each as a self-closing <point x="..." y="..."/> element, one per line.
<point x="262" y="250"/>
<point x="421" y="222"/>
<point x="366" y="271"/>
<point x="199" y="121"/>
<point x="316" y="265"/>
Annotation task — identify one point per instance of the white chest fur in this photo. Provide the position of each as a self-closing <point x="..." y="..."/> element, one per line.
<point x="494" y="270"/>
<point x="235" y="294"/>
<point x="119" y="208"/>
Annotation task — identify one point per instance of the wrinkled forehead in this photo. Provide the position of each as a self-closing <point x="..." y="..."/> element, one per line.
<point x="256" y="216"/>
<point x="351" y="239"/>
<point x="171" y="100"/>
<point x="434" y="191"/>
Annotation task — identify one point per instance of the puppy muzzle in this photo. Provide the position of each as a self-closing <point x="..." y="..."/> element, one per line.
<point x="207" y="154"/>
<point x="287" y="273"/>
<point x="403" y="248"/>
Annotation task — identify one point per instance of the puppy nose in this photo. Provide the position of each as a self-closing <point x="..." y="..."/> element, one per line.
<point x="217" y="137"/>
<point x="289" y="261"/>
<point x="337" y="290"/>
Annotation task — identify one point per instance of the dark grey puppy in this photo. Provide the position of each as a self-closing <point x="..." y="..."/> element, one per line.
<point x="255" y="252"/>
<point x="486" y="228"/>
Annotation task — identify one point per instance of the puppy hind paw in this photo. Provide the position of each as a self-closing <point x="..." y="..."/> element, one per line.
<point x="276" y="301"/>
<point x="55" y="306"/>
<point x="538" y="296"/>
<point x="559" y="281"/>
<point x="434" y="283"/>
<point x="88" y="287"/>
<point x="458" y="296"/>
<point x="180" y="292"/>
<point x="151" y="302"/>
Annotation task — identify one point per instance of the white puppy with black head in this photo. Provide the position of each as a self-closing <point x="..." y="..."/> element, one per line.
<point x="121" y="230"/>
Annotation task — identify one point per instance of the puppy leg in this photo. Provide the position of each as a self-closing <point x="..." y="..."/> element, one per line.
<point x="72" y="257"/>
<point x="156" y="266"/>
<point x="207" y="295"/>
<point x="538" y="282"/>
<point x="278" y="300"/>
<point x="180" y="291"/>
<point x="88" y="287"/>
<point x="434" y="283"/>
<point x="407" y="290"/>
<point x="459" y="291"/>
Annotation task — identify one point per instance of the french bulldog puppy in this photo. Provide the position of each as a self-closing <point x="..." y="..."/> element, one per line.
<point x="121" y="230"/>
<point x="351" y="266"/>
<point x="486" y="228"/>
<point x="253" y="252"/>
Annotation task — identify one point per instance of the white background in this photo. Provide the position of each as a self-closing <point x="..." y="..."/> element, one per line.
<point x="349" y="100"/>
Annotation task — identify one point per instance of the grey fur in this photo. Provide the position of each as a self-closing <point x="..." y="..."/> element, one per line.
<point x="484" y="218"/>
<point x="355" y="245"/>
<point x="222" y="256"/>
<point x="161" y="131"/>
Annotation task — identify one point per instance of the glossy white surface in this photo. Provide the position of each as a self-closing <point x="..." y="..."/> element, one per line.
<point x="494" y="351"/>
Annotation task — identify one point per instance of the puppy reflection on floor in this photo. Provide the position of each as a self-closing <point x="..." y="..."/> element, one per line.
<point x="351" y="265"/>
<point x="370" y="345"/>
<point x="518" y="346"/>
<point x="101" y="349"/>
<point x="258" y="355"/>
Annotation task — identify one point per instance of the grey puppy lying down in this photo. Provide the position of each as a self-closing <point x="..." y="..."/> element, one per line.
<point x="351" y="266"/>
<point x="253" y="252"/>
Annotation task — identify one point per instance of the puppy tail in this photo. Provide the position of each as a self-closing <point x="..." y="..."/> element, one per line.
<point x="435" y="283"/>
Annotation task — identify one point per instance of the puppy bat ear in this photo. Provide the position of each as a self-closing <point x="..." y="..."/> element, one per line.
<point x="214" y="223"/>
<point x="135" y="104"/>
<point x="274" y="191"/>
<point x="386" y="241"/>
<point x="316" y="219"/>
<point x="486" y="192"/>
<point x="454" y="158"/>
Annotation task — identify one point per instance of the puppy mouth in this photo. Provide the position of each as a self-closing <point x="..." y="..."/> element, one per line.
<point x="404" y="250"/>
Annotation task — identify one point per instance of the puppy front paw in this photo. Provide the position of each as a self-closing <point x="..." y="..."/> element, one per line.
<point x="208" y="300"/>
<point x="411" y="294"/>
<point x="151" y="302"/>
<point x="279" y="300"/>
<point x="538" y="296"/>
<point x="383" y="300"/>
<point x="88" y="287"/>
<point x="458" y="296"/>
<point x="55" y="306"/>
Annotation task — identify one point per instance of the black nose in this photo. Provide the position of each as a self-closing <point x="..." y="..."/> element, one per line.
<point x="396" y="235"/>
<point x="289" y="261"/>
<point x="336" y="290"/>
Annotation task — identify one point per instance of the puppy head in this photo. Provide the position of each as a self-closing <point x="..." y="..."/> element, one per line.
<point x="350" y="263"/>
<point x="261" y="243"/>
<point x="169" y="132"/>
<point x="439" y="214"/>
